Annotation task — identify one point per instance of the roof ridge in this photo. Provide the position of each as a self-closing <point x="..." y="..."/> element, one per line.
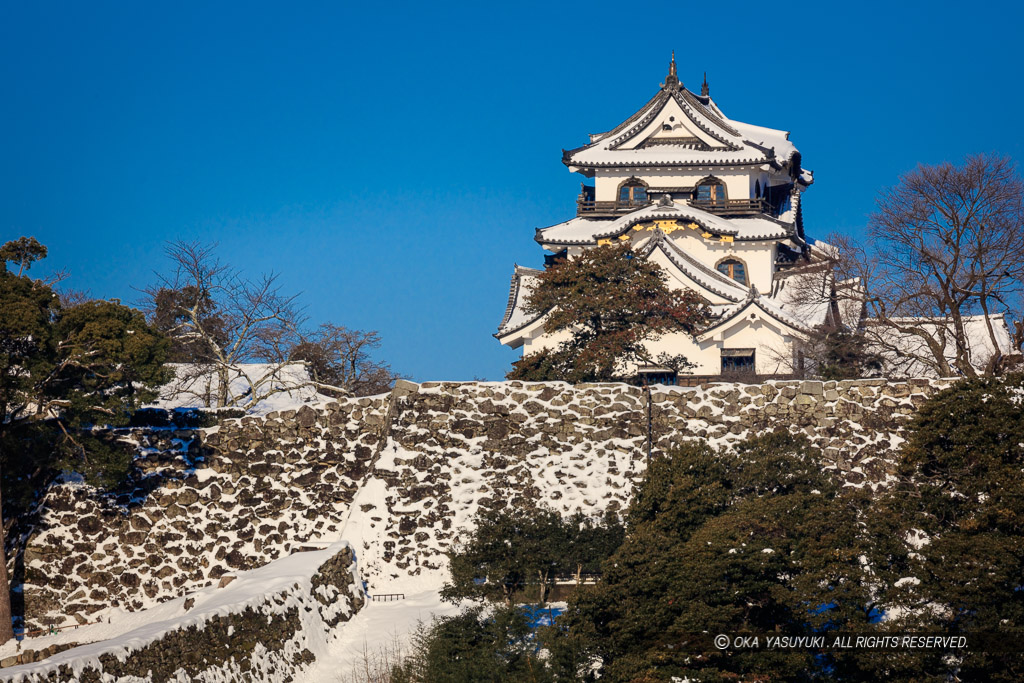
<point x="513" y="297"/>
<point x="659" y="238"/>
<point x="760" y="302"/>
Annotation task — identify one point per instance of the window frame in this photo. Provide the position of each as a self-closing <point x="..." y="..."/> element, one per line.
<point x="718" y="193"/>
<point x="748" y="365"/>
<point x="630" y="185"/>
<point x="731" y="262"/>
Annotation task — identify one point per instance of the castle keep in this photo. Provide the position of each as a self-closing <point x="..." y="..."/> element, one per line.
<point x="716" y="203"/>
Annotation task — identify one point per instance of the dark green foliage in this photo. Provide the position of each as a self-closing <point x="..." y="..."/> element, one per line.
<point x="22" y="252"/>
<point x="513" y="550"/>
<point x="191" y="418"/>
<point x="28" y="344"/>
<point x="64" y="371"/>
<point x="962" y="489"/>
<point x="110" y="362"/>
<point x="506" y="548"/>
<point x="473" y="647"/>
<point x="589" y="542"/>
<point x="170" y="316"/>
<point x="757" y="541"/>
<point x="611" y="303"/>
<point x="842" y="354"/>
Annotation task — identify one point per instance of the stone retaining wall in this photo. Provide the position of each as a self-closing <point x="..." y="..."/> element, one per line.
<point x="404" y="473"/>
<point x="266" y="640"/>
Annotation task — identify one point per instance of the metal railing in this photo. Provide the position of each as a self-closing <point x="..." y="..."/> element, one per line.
<point x="20" y="633"/>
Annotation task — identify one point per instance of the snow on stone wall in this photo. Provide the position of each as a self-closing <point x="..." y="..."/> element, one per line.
<point x="267" y="624"/>
<point x="401" y="475"/>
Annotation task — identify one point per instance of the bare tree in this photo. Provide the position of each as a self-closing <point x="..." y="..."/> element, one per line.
<point x="819" y="291"/>
<point x="238" y="341"/>
<point x="219" y="320"/>
<point x="338" y="359"/>
<point x="945" y="267"/>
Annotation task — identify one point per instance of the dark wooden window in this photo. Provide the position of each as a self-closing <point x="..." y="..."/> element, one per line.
<point x="633" y="194"/>
<point x="648" y="378"/>
<point x="711" y="192"/>
<point x="738" y="361"/>
<point x="733" y="269"/>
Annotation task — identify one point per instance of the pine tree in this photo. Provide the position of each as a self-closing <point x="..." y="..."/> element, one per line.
<point x="611" y="302"/>
<point x="474" y="646"/>
<point x="761" y="540"/>
<point x="515" y="549"/>
<point x="950" y="550"/>
<point x="64" y="371"/>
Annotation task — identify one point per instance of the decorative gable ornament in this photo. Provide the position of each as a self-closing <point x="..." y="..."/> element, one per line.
<point x="715" y="202"/>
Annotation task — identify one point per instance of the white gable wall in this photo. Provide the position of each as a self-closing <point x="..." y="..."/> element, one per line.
<point x="771" y="341"/>
<point x="682" y="126"/>
<point x="759" y="257"/>
<point x="679" y="280"/>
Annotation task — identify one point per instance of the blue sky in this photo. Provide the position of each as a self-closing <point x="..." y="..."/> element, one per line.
<point x="391" y="160"/>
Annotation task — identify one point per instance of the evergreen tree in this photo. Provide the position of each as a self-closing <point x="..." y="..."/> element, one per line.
<point x="510" y="550"/>
<point x="64" y="371"/>
<point x="22" y="252"/>
<point x="832" y="353"/>
<point x="611" y="303"/>
<point x="950" y="536"/>
<point x="761" y="540"/>
<point x="474" y="646"/>
<point x="514" y="550"/>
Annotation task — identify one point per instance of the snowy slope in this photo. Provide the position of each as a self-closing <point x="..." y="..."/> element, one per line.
<point x="272" y="589"/>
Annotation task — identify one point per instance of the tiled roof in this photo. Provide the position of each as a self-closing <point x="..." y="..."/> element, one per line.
<point x="585" y="231"/>
<point x="736" y="143"/>
<point x="515" y="317"/>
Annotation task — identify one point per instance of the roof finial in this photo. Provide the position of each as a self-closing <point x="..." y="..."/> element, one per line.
<point x="672" y="80"/>
<point x="705" y="91"/>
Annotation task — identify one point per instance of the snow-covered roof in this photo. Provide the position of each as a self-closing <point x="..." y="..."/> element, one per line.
<point x="523" y="279"/>
<point x="679" y="128"/>
<point x="906" y="354"/>
<point x="256" y="387"/>
<point x="706" y="277"/>
<point x="516" y="318"/>
<point x="759" y="302"/>
<point x="792" y="295"/>
<point x="590" y="230"/>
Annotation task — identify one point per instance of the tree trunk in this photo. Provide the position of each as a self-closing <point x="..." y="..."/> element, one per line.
<point x="6" y="628"/>
<point x="223" y="386"/>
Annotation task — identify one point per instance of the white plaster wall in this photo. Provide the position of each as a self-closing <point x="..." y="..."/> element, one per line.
<point x="759" y="257"/>
<point x="682" y="126"/>
<point x="772" y="344"/>
<point x="739" y="183"/>
<point x="678" y="280"/>
<point x="539" y="341"/>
